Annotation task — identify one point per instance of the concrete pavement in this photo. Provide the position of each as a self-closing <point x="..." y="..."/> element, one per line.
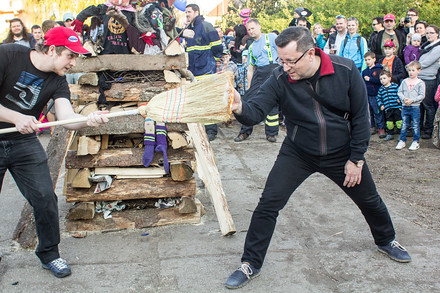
<point x="321" y="244"/>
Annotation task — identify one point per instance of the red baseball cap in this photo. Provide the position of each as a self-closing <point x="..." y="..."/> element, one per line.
<point x="63" y="36"/>
<point x="389" y="16"/>
<point x="389" y="44"/>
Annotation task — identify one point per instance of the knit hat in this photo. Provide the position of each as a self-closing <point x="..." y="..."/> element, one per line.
<point x="416" y="37"/>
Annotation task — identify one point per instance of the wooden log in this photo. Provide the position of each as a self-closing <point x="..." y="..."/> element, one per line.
<point x="136" y="219"/>
<point x="174" y="48"/>
<point x="181" y="171"/>
<point x="81" y="179"/>
<point x="125" y="125"/>
<point x="211" y="177"/>
<point x="178" y="139"/>
<point x="134" y="189"/>
<point x="126" y="157"/>
<point x="129" y="62"/>
<point x="104" y="141"/>
<point x="81" y="211"/>
<point x="120" y="92"/>
<point x="24" y="232"/>
<point x="87" y="145"/>
<point x="89" y="78"/>
<point x="187" y="205"/>
<point x="121" y="173"/>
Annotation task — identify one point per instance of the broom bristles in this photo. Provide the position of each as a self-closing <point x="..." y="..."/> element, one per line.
<point x="204" y="101"/>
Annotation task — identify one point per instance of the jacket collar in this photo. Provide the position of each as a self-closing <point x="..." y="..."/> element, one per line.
<point x="198" y="20"/>
<point x="326" y="64"/>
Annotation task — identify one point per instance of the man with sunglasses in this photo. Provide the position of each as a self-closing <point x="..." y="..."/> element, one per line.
<point x="325" y="104"/>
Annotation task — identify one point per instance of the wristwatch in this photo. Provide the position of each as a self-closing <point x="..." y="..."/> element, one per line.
<point x="359" y="163"/>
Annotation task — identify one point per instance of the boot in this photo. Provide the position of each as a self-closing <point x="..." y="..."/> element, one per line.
<point x="382" y="133"/>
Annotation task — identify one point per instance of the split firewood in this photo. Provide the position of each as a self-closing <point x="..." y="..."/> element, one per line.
<point x="104" y="141"/>
<point x="81" y="179"/>
<point x="81" y="211"/>
<point x="178" y="140"/>
<point x="89" y="78"/>
<point x="171" y="76"/>
<point x="181" y="171"/>
<point x="87" y="145"/>
<point x="122" y="173"/>
<point x="187" y="205"/>
<point x="89" y="108"/>
<point x="174" y="48"/>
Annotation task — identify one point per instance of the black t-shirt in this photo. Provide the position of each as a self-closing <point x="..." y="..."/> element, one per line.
<point x="24" y="88"/>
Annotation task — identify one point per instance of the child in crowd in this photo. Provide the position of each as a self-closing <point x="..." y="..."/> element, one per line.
<point x="392" y="63"/>
<point x="412" y="52"/>
<point x="388" y="101"/>
<point x="372" y="82"/>
<point x="411" y="93"/>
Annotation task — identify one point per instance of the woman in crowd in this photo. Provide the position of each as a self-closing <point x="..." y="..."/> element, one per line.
<point x="429" y="59"/>
<point x="318" y="35"/>
<point x="354" y="46"/>
<point x="421" y="29"/>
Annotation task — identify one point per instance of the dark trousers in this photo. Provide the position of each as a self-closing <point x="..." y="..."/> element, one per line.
<point x="271" y="124"/>
<point x="26" y="160"/>
<point x="428" y="106"/>
<point x="291" y="168"/>
<point x="393" y="117"/>
<point x="377" y="118"/>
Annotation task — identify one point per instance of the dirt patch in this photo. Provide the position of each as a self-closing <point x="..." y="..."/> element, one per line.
<point x="409" y="177"/>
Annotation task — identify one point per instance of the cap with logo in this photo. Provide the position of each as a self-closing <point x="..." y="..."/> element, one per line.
<point x="389" y="44"/>
<point x="63" y="36"/>
<point x="389" y="16"/>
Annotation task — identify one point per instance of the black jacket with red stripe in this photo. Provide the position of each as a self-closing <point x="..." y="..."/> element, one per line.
<point x="311" y="127"/>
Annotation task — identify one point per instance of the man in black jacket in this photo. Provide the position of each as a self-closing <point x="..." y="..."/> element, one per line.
<point x="389" y="33"/>
<point x="325" y="104"/>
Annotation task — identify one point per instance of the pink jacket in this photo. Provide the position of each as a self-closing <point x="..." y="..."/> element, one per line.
<point x="437" y="95"/>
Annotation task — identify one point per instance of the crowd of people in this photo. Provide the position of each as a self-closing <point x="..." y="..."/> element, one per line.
<point x="314" y="81"/>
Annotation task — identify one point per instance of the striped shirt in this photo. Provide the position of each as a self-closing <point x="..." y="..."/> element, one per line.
<point x="387" y="96"/>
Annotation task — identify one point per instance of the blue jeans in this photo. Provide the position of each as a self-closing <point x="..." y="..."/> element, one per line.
<point x="410" y="116"/>
<point x="26" y="160"/>
<point x="377" y="118"/>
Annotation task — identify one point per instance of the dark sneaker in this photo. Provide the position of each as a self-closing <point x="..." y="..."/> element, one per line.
<point x="395" y="251"/>
<point x="271" y="138"/>
<point x="389" y="137"/>
<point x="373" y="130"/>
<point x="242" y="276"/>
<point x="426" y="135"/>
<point x="211" y="136"/>
<point x="241" y="137"/>
<point x="382" y="133"/>
<point x="59" y="268"/>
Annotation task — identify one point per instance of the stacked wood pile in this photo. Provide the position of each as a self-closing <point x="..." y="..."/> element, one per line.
<point x="117" y="148"/>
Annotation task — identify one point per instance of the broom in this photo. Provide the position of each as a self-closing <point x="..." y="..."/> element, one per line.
<point x="206" y="101"/>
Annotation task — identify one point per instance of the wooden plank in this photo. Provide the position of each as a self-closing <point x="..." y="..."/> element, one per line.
<point x="124" y="157"/>
<point x="126" y="125"/>
<point x="136" y="219"/>
<point x="150" y="172"/>
<point x="129" y="62"/>
<point x="134" y="189"/>
<point x="211" y="177"/>
<point x="120" y="92"/>
<point x="24" y="232"/>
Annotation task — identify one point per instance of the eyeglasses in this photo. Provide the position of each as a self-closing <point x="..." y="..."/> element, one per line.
<point x="411" y="14"/>
<point x="291" y="63"/>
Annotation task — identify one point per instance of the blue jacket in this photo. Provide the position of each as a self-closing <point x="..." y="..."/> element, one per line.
<point x="203" y="47"/>
<point x="373" y="84"/>
<point x="351" y="50"/>
<point x="388" y="97"/>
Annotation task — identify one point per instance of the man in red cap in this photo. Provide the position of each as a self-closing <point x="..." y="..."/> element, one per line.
<point x="388" y="34"/>
<point x="28" y="79"/>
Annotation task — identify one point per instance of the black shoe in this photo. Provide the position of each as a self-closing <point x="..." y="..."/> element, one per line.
<point x="242" y="276"/>
<point x="426" y="135"/>
<point x="211" y="136"/>
<point x="271" y="138"/>
<point x="241" y="137"/>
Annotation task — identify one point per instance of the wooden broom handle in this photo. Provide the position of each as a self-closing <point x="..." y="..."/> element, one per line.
<point x="74" y="120"/>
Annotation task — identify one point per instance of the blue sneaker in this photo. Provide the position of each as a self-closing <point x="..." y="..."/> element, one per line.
<point x="242" y="276"/>
<point x="59" y="268"/>
<point x="389" y="137"/>
<point x="395" y="251"/>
